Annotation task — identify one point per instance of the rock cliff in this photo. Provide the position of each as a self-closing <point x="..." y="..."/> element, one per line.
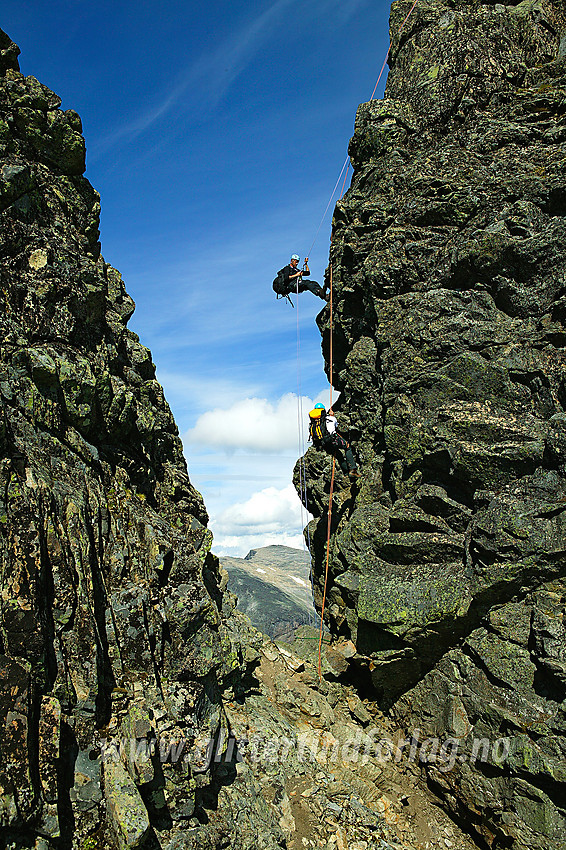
<point x="448" y="557"/>
<point x="129" y="713"/>
<point x="110" y="628"/>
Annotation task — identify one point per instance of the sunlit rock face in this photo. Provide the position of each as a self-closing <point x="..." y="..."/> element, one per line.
<point x="109" y="622"/>
<point x="447" y="559"/>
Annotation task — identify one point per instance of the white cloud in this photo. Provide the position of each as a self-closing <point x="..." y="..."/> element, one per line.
<point x="238" y="547"/>
<point x="256" y="425"/>
<point x="234" y="452"/>
<point x="252" y="423"/>
<point x="268" y="517"/>
<point x="269" y="510"/>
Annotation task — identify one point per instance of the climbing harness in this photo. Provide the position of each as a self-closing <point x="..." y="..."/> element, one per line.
<point x="279" y="286"/>
<point x="278" y="283"/>
<point x="288" y="297"/>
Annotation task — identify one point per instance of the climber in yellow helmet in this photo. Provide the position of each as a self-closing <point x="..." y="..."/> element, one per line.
<point x="323" y="431"/>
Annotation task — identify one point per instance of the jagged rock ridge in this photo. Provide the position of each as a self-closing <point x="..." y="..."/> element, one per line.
<point x="128" y="713"/>
<point x="449" y="274"/>
<point x="449" y="293"/>
<point x="109" y="598"/>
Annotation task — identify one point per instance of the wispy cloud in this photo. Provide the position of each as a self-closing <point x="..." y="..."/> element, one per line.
<point x="209" y="78"/>
<point x="214" y="392"/>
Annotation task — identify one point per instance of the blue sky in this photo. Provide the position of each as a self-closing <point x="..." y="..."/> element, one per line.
<point x="215" y="135"/>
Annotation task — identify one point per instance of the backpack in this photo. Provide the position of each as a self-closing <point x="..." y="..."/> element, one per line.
<point x="279" y="284"/>
<point x="317" y="426"/>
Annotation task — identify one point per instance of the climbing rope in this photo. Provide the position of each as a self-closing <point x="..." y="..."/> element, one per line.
<point x="330" y="375"/>
<point x="346" y="165"/>
<point x="389" y="49"/>
<point x="331" y="353"/>
<point x="329" y="524"/>
<point x="301" y="437"/>
<point x="326" y="568"/>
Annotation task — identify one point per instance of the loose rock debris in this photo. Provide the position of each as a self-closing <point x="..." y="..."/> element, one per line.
<point x="305" y="743"/>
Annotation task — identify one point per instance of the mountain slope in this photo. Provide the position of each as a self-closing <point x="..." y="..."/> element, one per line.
<point x="273" y="588"/>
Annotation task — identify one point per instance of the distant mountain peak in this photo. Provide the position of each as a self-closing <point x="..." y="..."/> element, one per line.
<point x="275" y="548"/>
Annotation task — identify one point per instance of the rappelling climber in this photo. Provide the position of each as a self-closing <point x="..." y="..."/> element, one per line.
<point x="290" y="279"/>
<point x="323" y="431"/>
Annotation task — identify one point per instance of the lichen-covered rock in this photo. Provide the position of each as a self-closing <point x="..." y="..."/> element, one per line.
<point x="111" y="631"/>
<point x="127" y="813"/>
<point x="449" y="288"/>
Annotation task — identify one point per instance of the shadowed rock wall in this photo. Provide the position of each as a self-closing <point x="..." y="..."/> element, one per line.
<point x="448" y="557"/>
<point x="109" y="620"/>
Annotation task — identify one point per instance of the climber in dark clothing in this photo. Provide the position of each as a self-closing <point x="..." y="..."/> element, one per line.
<point x="290" y="279"/>
<point x="323" y="431"/>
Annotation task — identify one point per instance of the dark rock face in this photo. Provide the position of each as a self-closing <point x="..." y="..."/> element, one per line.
<point x="109" y="620"/>
<point x="448" y="558"/>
